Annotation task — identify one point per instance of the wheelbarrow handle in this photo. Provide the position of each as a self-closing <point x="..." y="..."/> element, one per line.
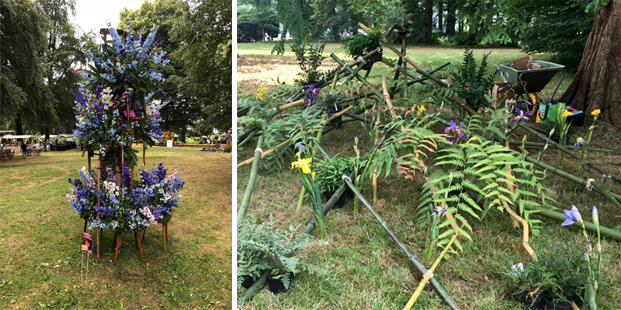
<point x="499" y="72"/>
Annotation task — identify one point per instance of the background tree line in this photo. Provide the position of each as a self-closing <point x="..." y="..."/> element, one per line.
<point x="41" y="54"/>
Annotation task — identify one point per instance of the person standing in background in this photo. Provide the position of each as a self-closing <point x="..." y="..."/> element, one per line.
<point x="24" y="146"/>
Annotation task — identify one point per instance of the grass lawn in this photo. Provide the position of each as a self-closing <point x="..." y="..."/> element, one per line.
<point x="366" y="269"/>
<point x="40" y="260"/>
<point x="255" y="64"/>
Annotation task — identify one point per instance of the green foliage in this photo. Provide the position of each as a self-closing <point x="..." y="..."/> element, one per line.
<point x="478" y="175"/>
<point x="363" y="43"/>
<point x="260" y="247"/>
<point x="253" y="24"/>
<point x="473" y="84"/>
<point x="309" y="58"/>
<point x="336" y="17"/>
<point x="560" y="28"/>
<point x="532" y="281"/>
<point x="206" y="31"/>
<point x="329" y="172"/>
<point x="569" y="271"/>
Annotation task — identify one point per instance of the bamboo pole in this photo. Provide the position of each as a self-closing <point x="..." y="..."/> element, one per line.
<point x="375" y="170"/>
<point x="558" y="216"/>
<point x="250" y="160"/>
<point x="568" y="152"/>
<point x="429" y="273"/>
<point x="99" y="168"/>
<point x="253" y="177"/>
<point x="447" y="298"/>
<point x="536" y="144"/>
<point x="388" y="102"/>
<point x="404" y="68"/>
<point x="614" y="198"/>
<point x="423" y="72"/>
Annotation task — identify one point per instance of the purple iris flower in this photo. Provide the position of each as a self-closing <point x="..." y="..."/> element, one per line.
<point x="439" y="212"/>
<point x="572" y="216"/>
<point x="579" y="142"/>
<point x="301" y="148"/>
<point x="522" y="116"/>
<point x="314" y="91"/>
<point x="455" y="129"/>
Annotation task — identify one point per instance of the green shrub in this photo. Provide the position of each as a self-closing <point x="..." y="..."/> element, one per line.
<point x="329" y="172"/>
<point x="362" y="43"/>
<point x="560" y="28"/>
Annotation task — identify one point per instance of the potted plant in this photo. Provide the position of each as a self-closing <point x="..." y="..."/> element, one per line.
<point x="569" y="272"/>
<point x="529" y="284"/>
<point x="261" y="247"/>
<point x="473" y="83"/>
<point x="364" y="43"/>
<point x="329" y="174"/>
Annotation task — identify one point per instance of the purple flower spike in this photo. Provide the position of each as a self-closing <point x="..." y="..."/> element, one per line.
<point x="572" y="216"/>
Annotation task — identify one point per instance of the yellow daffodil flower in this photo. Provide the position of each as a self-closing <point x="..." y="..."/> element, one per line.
<point x="303" y="164"/>
<point x="421" y="108"/>
<point x="313" y="175"/>
<point x="473" y="139"/>
<point x="567" y="113"/>
<point x="596" y="112"/>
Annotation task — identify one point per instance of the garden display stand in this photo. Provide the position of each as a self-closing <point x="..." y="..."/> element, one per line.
<point x="128" y="116"/>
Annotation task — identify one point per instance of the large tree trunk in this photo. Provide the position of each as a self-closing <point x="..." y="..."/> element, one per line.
<point x="19" y="130"/>
<point x="183" y="132"/>
<point x="450" y="18"/>
<point x="597" y="84"/>
<point x="440" y="14"/>
<point x="428" y="23"/>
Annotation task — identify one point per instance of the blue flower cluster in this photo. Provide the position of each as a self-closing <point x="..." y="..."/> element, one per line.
<point x="97" y="120"/>
<point x="138" y="203"/>
<point x="127" y="61"/>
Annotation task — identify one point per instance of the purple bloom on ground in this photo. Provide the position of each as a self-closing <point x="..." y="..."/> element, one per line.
<point x="523" y="116"/>
<point x="571" y="216"/>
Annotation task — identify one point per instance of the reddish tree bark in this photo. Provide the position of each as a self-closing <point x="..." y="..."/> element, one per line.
<point x="597" y="84"/>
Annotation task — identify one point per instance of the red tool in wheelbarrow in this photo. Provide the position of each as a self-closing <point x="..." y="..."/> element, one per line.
<point x="528" y="78"/>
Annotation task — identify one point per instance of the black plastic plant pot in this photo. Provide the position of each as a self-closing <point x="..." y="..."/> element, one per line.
<point x="248" y="282"/>
<point x="350" y="194"/>
<point x="528" y="302"/>
<point x="276" y="285"/>
<point x="337" y="120"/>
<point x="339" y="203"/>
<point x="377" y="57"/>
<point x="558" y="306"/>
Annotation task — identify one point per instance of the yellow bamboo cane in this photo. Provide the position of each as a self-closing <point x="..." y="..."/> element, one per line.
<point x="429" y="273"/>
<point x="388" y="102"/>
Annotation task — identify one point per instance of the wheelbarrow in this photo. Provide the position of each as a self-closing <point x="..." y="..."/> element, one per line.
<point x="527" y="83"/>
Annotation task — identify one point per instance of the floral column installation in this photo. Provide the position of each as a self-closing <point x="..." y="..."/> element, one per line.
<point x="117" y="106"/>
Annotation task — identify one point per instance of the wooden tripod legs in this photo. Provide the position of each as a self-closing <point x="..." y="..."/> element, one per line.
<point x="137" y="240"/>
<point x="165" y="231"/>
